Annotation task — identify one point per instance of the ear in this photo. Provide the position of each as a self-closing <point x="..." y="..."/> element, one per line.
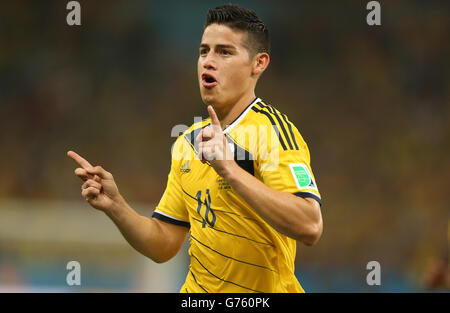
<point x="260" y="63"/>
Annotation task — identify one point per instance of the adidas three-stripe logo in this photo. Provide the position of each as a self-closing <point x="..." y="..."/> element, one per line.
<point x="278" y="120"/>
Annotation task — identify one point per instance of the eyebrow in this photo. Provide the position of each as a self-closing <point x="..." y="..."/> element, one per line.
<point x="204" y="45"/>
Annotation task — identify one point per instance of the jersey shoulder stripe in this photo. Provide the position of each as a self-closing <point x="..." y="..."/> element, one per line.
<point x="272" y="121"/>
<point x="277" y="116"/>
<point x="289" y="124"/>
<point x="279" y="121"/>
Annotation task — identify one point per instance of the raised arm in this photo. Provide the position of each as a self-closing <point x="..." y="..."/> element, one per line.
<point x="158" y="240"/>
<point x="293" y="216"/>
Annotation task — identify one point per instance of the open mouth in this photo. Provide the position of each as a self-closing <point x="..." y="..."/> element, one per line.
<point x="208" y="80"/>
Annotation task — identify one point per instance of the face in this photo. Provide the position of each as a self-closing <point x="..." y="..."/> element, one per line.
<point x="224" y="67"/>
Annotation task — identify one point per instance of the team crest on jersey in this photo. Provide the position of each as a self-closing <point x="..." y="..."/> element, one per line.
<point x="185" y="167"/>
<point x="302" y="176"/>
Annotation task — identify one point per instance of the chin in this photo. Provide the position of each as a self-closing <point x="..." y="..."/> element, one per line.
<point x="208" y="99"/>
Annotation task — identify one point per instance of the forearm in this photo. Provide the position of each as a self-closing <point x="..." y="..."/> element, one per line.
<point x="155" y="239"/>
<point x="142" y="233"/>
<point x="293" y="216"/>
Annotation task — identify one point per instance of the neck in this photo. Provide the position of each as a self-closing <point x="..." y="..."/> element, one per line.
<point x="228" y="113"/>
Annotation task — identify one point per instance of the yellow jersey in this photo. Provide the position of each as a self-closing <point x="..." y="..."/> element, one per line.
<point x="232" y="249"/>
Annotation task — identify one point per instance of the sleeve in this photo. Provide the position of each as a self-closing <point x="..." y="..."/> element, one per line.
<point x="287" y="169"/>
<point x="171" y="207"/>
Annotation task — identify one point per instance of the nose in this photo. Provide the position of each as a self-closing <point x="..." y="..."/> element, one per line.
<point x="208" y="61"/>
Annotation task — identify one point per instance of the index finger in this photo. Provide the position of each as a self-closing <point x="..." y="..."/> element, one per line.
<point x="214" y="119"/>
<point x="77" y="158"/>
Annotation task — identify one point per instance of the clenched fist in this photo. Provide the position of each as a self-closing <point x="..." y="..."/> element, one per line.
<point x="213" y="147"/>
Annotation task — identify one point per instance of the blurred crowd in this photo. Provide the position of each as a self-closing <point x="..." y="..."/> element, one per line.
<point x="372" y="103"/>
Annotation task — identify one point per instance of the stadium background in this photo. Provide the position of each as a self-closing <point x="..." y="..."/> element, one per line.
<point x="371" y="102"/>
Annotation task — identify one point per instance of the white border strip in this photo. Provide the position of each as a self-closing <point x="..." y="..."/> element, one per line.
<point x="167" y="215"/>
<point x="229" y="127"/>
<point x="311" y="193"/>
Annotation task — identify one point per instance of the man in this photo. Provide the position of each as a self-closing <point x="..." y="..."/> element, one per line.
<point x="245" y="199"/>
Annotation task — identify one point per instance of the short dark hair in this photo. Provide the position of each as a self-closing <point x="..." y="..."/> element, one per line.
<point x="239" y="18"/>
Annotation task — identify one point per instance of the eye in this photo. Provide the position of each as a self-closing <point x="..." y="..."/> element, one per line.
<point x="203" y="51"/>
<point x="226" y="52"/>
